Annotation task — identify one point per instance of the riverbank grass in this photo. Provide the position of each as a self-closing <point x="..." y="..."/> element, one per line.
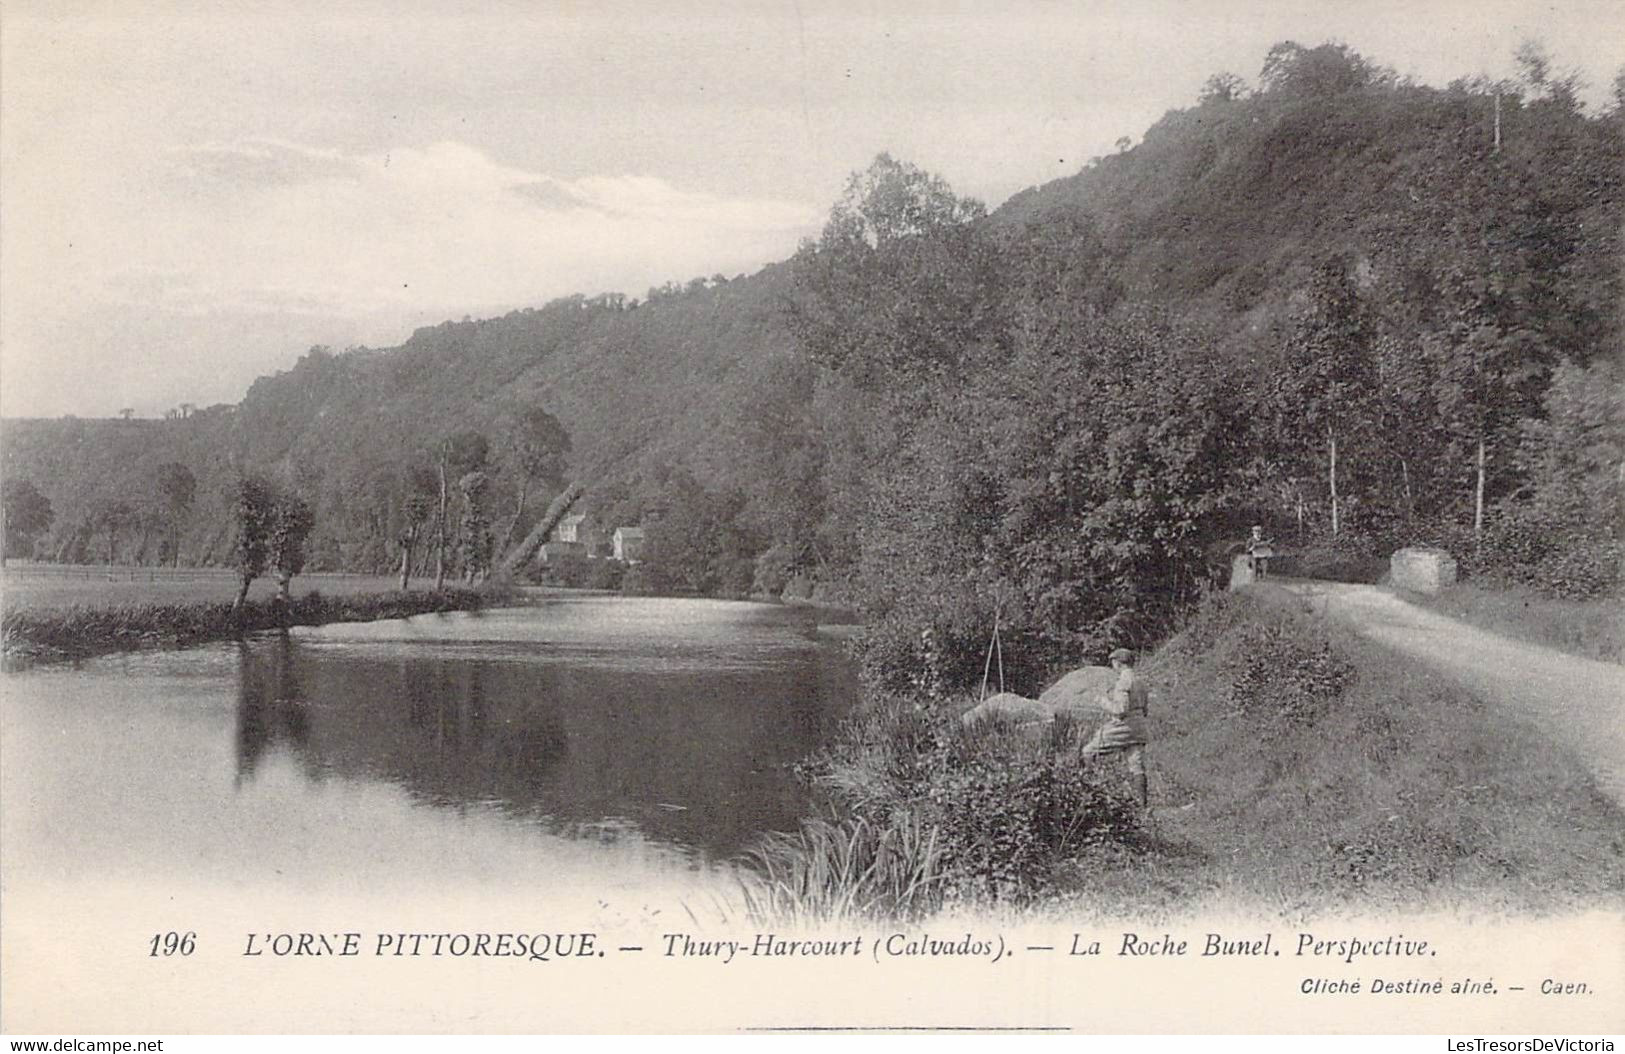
<point x="41" y="587"/>
<point x="28" y="637"/>
<point x="847" y="868"/>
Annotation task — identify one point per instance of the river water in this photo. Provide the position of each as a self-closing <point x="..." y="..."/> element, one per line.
<point x="597" y="759"/>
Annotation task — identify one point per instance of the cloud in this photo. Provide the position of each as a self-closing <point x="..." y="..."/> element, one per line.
<point x="259" y="162"/>
<point x="218" y="252"/>
<point x="263" y="224"/>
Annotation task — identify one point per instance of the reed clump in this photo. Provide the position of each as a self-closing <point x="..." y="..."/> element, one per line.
<point x="846" y="867"/>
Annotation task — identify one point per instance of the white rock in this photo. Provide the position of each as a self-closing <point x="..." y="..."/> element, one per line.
<point x="1422" y="570"/>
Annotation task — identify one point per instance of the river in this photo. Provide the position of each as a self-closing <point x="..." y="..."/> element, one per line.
<point x="599" y="761"/>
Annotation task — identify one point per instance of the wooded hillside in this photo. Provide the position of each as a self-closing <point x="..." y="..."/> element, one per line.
<point x="1357" y="310"/>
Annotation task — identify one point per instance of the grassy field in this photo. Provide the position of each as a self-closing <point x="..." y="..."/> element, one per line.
<point x="1592" y="628"/>
<point x="49" y="587"/>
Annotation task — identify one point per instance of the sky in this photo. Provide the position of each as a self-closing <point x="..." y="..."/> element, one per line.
<point x="193" y="194"/>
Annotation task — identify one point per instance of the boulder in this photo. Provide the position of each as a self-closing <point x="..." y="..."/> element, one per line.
<point x="1078" y="693"/>
<point x="1241" y="571"/>
<point x="1422" y="570"/>
<point x="1017" y="708"/>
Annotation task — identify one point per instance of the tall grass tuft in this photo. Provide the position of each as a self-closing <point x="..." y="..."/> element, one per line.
<point x="851" y="867"/>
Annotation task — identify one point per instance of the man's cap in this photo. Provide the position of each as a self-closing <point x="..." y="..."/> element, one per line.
<point x="1121" y="655"/>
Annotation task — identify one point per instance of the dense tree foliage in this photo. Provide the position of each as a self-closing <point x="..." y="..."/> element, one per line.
<point x="256" y="518"/>
<point x="27" y="514"/>
<point x="290" y="524"/>
<point x="177" y="488"/>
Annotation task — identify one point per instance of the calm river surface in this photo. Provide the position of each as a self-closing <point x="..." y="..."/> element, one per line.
<point x="600" y="758"/>
<point x="670" y="721"/>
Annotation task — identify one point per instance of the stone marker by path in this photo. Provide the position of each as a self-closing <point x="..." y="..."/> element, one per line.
<point x="1422" y="570"/>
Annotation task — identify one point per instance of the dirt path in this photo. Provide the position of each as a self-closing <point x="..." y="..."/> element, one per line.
<point x="1581" y="702"/>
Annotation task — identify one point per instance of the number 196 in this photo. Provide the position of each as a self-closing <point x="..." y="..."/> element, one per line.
<point x="172" y="943"/>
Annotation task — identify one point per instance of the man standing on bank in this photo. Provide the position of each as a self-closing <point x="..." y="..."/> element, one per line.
<point x="1124" y="732"/>
<point x="1259" y="551"/>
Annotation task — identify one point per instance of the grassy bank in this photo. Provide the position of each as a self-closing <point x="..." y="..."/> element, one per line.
<point x="1594" y="629"/>
<point x="32" y="636"/>
<point x="1295" y="770"/>
<point x="1302" y="769"/>
<point x="46" y="587"/>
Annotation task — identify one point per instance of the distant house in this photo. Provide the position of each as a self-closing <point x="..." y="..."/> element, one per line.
<point x="576" y="530"/>
<point x="628" y="543"/>
<point x="570" y="527"/>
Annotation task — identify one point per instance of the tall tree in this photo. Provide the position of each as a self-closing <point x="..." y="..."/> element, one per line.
<point x="111" y="516"/>
<point x="455" y="456"/>
<point x="1323" y="391"/>
<point x="537" y="443"/>
<point x="1329" y="69"/>
<point x="898" y="300"/>
<point x="291" y="521"/>
<point x="417" y="505"/>
<point x="780" y="464"/>
<point x="27" y="512"/>
<point x="901" y="286"/>
<point x="256" y="514"/>
<point x="177" y="488"/>
<point x="542" y="528"/>
<point x="475" y="531"/>
<point x="1222" y="88"/>
<point x="1572" y="457"/>
<point x="1481" y="370"/>
<point x="695" y="541"/>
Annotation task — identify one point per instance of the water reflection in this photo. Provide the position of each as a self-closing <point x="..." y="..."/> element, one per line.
<point x="270" y="706"/>
<point x="608" y="731"/>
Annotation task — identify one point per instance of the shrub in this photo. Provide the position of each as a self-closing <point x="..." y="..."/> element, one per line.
<point x="1529" y="546"/>
<point x="946" y="652"/>
<point x="570" y="570"/>
<point x="734" y="575"/>
<point x="1006" y="822"/>
<point x="1212" y="617"/>
<point x="879" y="755"/>
<point x="643" y="580"/>
<point x="605" y="574"/>
<point x="800" y="587"/>
<point x="1007" y="804"/>
<point x="1284" y="667"/>
<point x="773" y="570"/>
<point x="1347" y="557"/>
<point x="1585" y="569"/>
